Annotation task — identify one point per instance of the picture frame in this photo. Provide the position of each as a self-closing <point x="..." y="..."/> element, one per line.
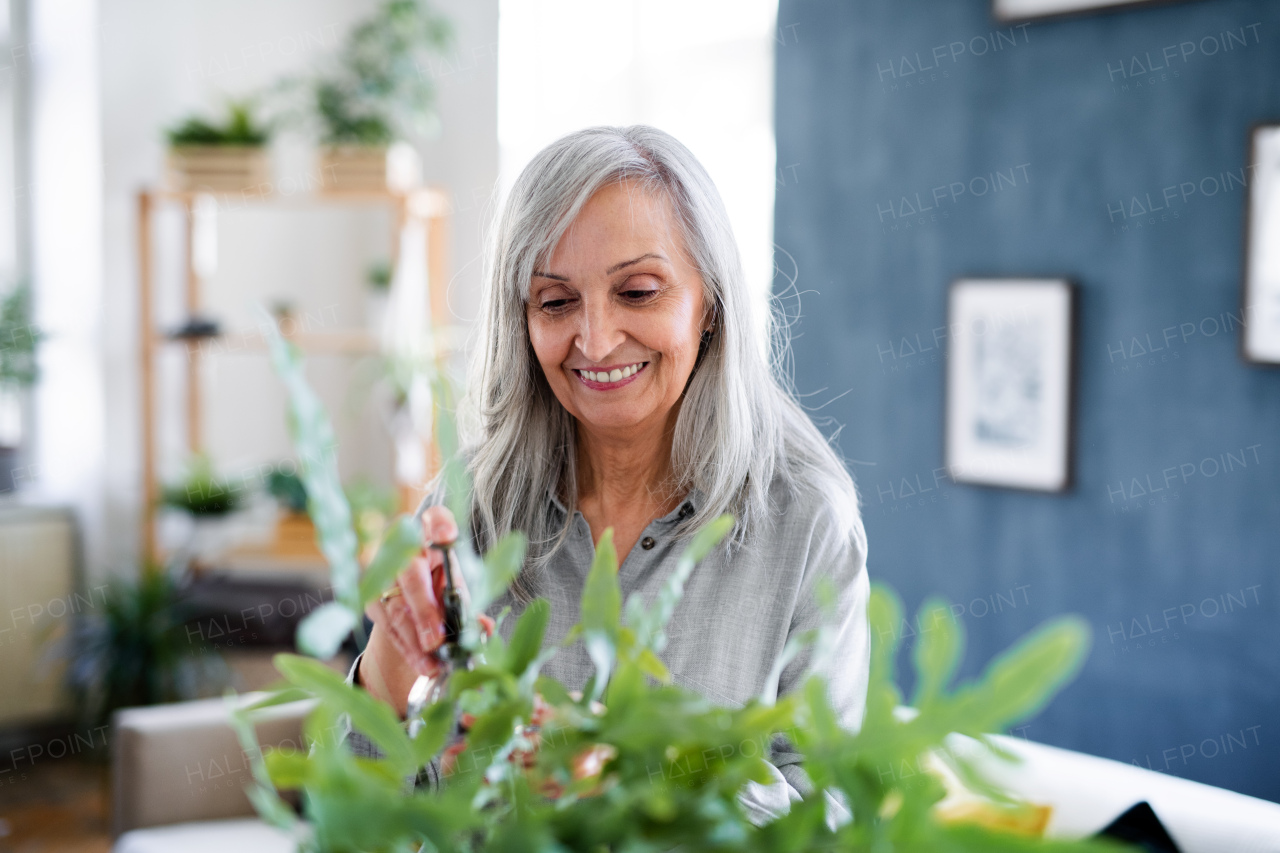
<point x="1260" y="288"/>
<point x="1009" y="11"/>
<point x="1009" y="405"/>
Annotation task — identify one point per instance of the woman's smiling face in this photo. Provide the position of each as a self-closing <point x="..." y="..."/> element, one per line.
<point x="616" y="313"/>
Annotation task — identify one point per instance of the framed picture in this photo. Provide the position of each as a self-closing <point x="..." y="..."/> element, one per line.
<point x="1260" y="340"/>
<point x="1009" y="383"/>
<point x="1025" y="10"/>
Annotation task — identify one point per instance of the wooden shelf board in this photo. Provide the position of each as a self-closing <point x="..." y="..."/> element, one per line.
<point x="249" y="341"/>
<point x="423" y="201"/>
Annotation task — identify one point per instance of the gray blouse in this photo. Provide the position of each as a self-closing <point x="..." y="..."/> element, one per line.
<point x="739" y="609"/>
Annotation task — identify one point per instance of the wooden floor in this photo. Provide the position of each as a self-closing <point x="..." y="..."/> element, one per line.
<point x="61" y="805"/>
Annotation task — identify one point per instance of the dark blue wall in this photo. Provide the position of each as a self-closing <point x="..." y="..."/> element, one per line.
<point x="1048" y="110"/>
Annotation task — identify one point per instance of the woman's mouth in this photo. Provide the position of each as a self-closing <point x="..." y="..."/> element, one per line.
<point x="608" y="379"/>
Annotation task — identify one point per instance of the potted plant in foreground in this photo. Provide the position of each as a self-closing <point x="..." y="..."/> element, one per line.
<point x="633" y="762"/>
<point x="18" y="372"/>
<point x="231" y="156"/>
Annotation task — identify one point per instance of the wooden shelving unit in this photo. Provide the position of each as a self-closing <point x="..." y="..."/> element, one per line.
<point x="428" y="205"/>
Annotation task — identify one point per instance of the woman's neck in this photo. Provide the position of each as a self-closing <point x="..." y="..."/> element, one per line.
<point x="618" y="475"/>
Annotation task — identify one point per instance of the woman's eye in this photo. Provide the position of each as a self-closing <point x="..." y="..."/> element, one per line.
<point x="553" y="306"/>
<point x="638" y="295"/>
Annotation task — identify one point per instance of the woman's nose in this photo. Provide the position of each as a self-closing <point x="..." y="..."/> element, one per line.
<point x="599" y="334"/>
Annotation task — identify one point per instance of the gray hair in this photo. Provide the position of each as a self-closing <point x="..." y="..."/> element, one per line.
<point x="739" y="428"/>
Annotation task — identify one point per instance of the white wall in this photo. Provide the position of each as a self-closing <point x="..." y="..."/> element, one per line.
<point x="701" y="70"/>
<point x="160" y="60"/>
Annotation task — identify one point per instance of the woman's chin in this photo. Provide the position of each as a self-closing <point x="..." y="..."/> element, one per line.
<point x="612" y="418"/>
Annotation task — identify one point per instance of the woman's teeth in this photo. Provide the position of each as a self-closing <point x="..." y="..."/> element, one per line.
<point x="615" y="375"/>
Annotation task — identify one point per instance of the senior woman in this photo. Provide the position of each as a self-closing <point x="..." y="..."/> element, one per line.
<point x="622" y="384"/>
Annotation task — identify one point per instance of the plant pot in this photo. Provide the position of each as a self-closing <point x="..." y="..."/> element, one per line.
<point x="375" y="310"/>
<point x="219" y="168"/>
<point x="370" y="168"/>
<point x="353" y="168"/>
<point x="295" y="536"/>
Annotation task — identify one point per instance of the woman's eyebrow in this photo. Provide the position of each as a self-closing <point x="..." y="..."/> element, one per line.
<point x="610" y="271"/>
<point x="613" y="269"/>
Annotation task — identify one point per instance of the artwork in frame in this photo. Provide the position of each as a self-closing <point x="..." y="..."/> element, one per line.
<point x="1025" y="10"/>
<point x="1009" y="383"/>
<point x="1260" y="342"/>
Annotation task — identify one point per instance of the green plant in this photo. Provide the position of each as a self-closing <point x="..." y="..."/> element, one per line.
<point x="201" y="492"/>
<point x="133" y="649"/>
<point x="18" y="339"/>
<point x="372" y="509"/>
<point x="378" y="276"/>
<point x="379" y="85"/>
<point x="239" y="127"/>
<point x="656" y="766"/>
<point x="286" y="487"/>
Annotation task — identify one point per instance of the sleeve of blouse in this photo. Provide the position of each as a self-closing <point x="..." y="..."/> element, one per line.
<point x="837" y="552"/>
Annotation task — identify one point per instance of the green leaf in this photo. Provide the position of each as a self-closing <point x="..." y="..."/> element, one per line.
<point x="290" y="770"/>
<point x="323" y="630"/>
<point x="438" y="722"/>
<point x="261" y="792"/>
<point x="526" y="639"/>
<point x="403" y="540"/>
<point x="551" y="690"/>
<point x="279" y="694"/>
<point x="650" y="625"/>
<point x="501" y="564"/>
<point x="370" y="716"/>
<point x="938" y="651"/>
<point x="651" y="665"/>
<point x="1021" y="681"/>
<point x="601" y="612"/>
<point x="316" y="445"/>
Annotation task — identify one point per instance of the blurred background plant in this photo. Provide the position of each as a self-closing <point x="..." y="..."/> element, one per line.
<point x="379" y="87"/>
<point x="286" y="487"/>
<point x="18" y="338"/>
<point x="239" y="126"/>
<point x="136" y="649"/>
<point x="373" y="507"/>
<point x="19" y="371"/>
<point x="201" y="492"/>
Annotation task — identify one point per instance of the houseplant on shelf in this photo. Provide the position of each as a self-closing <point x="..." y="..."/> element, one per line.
<point x="18" y="372"/>
<point x="136" y="650"/>
<point x="376" y="91"/>
<point x="230" y="156"/>
<point x="651" y="766"/>
<point x="204" y="505"/>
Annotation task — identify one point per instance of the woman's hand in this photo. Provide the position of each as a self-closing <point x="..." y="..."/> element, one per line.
<point x="408" y="628"/>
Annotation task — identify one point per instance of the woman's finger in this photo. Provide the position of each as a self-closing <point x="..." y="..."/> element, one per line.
<point x="394" y="618"/>
<point x="424" y="607"/>
<point x="439" y="526"/>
